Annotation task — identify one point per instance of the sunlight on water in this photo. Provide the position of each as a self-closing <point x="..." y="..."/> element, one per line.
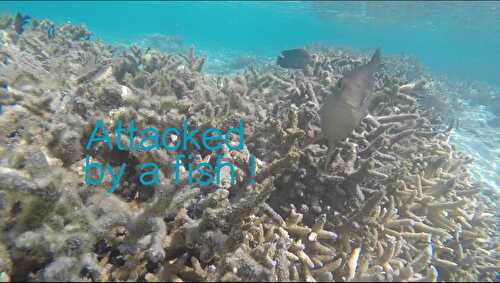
<point x="458" y="38"/>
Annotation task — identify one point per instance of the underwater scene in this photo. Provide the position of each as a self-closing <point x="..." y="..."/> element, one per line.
<point x="249" y="141"/>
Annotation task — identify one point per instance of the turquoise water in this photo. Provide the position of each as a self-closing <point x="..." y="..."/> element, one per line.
<point x="459" y="39"/>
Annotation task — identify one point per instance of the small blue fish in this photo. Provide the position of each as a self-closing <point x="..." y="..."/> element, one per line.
<point x="51" y="32"/>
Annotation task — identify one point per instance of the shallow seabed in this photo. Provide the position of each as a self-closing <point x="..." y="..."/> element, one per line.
<point x="410" y="194"/>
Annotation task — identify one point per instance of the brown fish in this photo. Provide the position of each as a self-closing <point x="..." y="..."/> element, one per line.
<point x="20" y="21"/>
<point x="294" y="58"/>
<point x="342" y="111"/>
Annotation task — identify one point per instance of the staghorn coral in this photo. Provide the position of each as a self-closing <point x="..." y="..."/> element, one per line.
<point x="392" y="201"/>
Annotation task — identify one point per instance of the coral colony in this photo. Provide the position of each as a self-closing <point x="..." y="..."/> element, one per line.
<point x="135" y="165"/>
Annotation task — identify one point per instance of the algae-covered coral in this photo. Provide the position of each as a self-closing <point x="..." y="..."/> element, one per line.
<point x="391" y="202"/>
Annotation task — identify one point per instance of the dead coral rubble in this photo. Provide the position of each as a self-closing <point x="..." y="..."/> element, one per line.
<point x="392" y="202"/>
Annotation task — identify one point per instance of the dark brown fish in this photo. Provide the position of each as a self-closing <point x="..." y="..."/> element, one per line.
<point x="294" y="59"/>
<point x="343" y="111"/>
<point x="20" y="21"/>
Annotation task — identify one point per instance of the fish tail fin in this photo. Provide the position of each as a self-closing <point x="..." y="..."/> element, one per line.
<point x="279" y="60"/>
<point x="375" y="58"/>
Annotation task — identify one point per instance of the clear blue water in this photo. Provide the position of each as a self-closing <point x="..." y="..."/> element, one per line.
<point x="459" y="39"/>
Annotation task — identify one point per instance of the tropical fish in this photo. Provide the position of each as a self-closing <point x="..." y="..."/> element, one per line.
<point x="51" y="32"/>
<point x="294" y="58"/>
<point x="342" y="111"/>
<point x="20" y="21"/>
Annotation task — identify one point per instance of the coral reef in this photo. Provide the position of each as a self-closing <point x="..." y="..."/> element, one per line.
<point x="393" y="201"/>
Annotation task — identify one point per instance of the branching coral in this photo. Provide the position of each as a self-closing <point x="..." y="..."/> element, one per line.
<point x="392" y="201"/>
